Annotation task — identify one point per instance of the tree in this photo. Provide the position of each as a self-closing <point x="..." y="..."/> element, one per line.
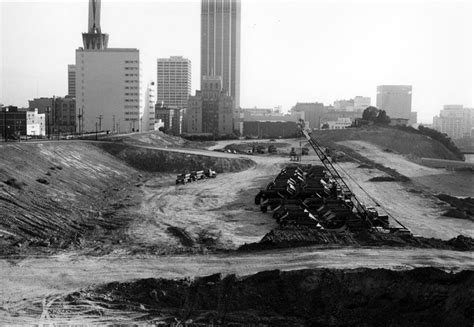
<point x="325" y="126"/>
<point x="382" y="118"/>
<point x="370" y="113"/>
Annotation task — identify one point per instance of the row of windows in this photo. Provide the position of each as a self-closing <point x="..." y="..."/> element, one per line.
<point x="131" y="74"/>
<point x="128" y="113"/>
<point x="131" y="100"/>
<point x="131" y="81"/>
<point x="131" y="61"/>
<point x="131" y="87"/>
<point x="131" y="68"/>
<point x="129" y="106"/>
<point x="131" y="93"/>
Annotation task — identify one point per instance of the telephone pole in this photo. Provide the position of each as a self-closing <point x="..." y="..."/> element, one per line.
<point x="113" y="123"/>
<point x="100" y="121"/>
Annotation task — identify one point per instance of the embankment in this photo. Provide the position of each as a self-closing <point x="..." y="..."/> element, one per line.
<point x="413" y="145"/>
<point x="155" y="160"/>
<point x="318" y="297"/>
<point x="53" y="193"/>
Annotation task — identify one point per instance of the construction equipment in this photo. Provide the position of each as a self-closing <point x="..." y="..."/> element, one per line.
<point x="193" y="176"/>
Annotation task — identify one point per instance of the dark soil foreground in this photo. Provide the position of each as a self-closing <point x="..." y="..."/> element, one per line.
<point x="320" y="297"/>
<point x="291" y="236"/>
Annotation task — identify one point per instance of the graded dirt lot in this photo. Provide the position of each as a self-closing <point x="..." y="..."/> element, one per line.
<point x="173" y="231"/>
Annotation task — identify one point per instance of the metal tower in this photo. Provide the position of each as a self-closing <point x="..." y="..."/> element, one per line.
<point x="95" y="39"/>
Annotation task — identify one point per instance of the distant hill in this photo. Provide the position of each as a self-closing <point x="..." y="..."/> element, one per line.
<point x="413" y="145"/>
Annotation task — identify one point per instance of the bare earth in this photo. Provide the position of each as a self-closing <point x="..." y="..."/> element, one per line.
<point x="225" y="206"/>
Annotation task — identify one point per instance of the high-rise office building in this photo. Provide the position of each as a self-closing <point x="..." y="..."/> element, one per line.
<point x="395" y="100"/>
<point x="108" y="95"/>
<point x="71" y="80"/>
<point x="220" y="44"/>
<point x="173" y="81"/>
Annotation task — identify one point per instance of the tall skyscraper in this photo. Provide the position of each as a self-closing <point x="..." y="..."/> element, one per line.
<point x="395" y="100"/>
<point x="71" y="80"/>
<point x="173" y="81"/>
<point x="108" y="94"/>
<point x="220" y="44"/>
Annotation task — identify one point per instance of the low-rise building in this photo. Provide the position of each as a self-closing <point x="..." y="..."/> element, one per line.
<point x="170" y="118"/>
<point x="35" y="123"/>
<point x="12" y="123"/>
<point x="270" y="129"/>
<point x="60" y="113"/>
<point x="340" y="123"/>
<point x="399" y="121"/>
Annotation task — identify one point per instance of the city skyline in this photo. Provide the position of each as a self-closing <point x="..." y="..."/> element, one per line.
<point x="291" y="53"/>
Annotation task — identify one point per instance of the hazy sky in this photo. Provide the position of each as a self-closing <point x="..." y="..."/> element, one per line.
<point x="291" y="51"/>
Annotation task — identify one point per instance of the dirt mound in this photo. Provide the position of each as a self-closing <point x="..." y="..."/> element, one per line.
<point x="462" y="208"/>
<point x="382" y="179"/>
<point x="291" y="236"/>
<point x="154" y="160"/>
<point x="158" y="139"/>
<point x="319" y="297"/>
<point x="391" y="139"/>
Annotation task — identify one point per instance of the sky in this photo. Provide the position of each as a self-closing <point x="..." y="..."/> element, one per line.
<point x="291" y="51"/>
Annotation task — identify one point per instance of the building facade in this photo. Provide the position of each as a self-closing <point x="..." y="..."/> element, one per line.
<point x="395" y="100"/>
<point x="361" y="103"/>
<point x="108" y="93"/>
<point x="173" y="81"/>
<point x="35" y="123"/>
<point x="270" y="129"/>
<point x="71" y="80"/>
<point x="345" y="105"/>
<point x="211" y="110"/>
<point x="147" y="117"/>
<point x="12" y="123"/>
<point x="63" y="120"/>
<point x="170" y="118"/>
<point x="311" y="112"/>
<point x="455" y="121"/>
<point x="220" y="44"/>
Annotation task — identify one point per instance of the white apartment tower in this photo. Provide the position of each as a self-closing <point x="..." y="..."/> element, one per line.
<point x="107" y="82"/>
<point x="147" y="116"/>
<point x="173" y="81"/>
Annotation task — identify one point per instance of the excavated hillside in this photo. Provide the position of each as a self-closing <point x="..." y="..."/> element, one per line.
<point x="412" y="145"/>
<point x="59" y="194"/>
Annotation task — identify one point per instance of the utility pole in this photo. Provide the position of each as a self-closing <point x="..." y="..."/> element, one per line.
<point x="113" y="123"/>
<point x="82" y="117"/>
<point x="79" y="116"/>
<point x="48" y="121"/>
<point x="96" y="131"/>
<point x="100" y="121"/>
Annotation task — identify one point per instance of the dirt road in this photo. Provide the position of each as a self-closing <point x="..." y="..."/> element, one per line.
<point x="411" y="203"/>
